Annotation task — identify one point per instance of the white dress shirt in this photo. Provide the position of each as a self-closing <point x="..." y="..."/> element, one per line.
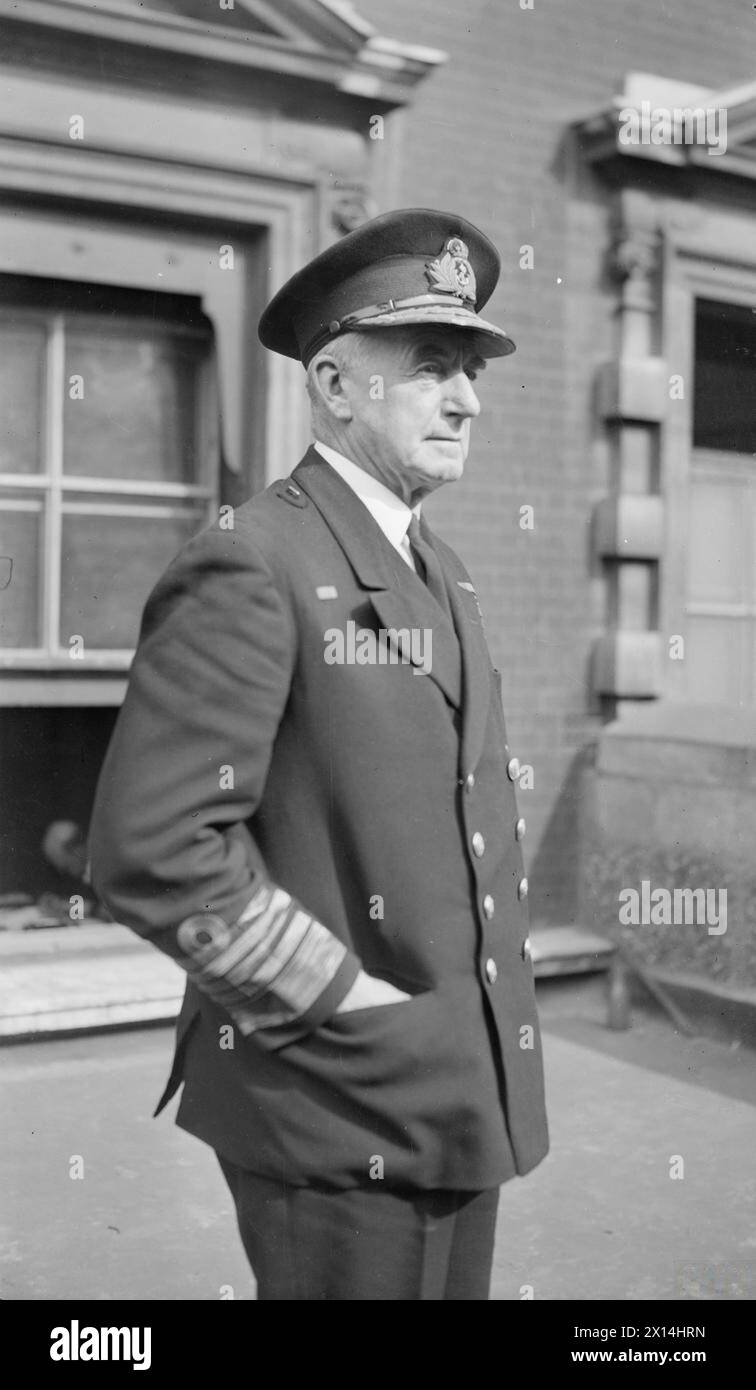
<point x="389" y="511"/>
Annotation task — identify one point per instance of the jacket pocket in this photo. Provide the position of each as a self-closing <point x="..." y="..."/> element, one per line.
<point x="412" y="1084"/>
<point x="407" y="1074"/>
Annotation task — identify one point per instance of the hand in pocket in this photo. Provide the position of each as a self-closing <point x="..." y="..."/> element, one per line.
<point x="367" y="992"/>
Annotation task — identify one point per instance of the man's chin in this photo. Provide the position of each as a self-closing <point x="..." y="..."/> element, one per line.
<point x="442" y="460"/>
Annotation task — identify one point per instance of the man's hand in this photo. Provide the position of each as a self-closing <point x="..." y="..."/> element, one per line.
<point x="366" y="992"/>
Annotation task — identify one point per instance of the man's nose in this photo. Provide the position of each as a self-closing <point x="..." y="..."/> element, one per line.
<point x="460" y="398"/>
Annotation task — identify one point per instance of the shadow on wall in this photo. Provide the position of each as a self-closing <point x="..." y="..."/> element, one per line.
<point x="689" y="911"/>
<point x="669" y="817"/>
<point x="555" y="872"/>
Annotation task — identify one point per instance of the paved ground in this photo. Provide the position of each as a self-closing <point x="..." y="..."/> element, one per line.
<point x="601" y="1218"/>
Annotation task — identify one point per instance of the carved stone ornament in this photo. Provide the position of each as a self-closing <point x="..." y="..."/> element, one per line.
<point x="350" y="210"/>
<point x="633" y="254"/>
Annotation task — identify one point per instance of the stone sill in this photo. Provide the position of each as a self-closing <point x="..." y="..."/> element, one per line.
<point x="716" y="1011"/>
<point x="71" y="980"/>
<point x="100" y="975"/>
<point x="81" y="979"/>
<point x="666" y="740"/>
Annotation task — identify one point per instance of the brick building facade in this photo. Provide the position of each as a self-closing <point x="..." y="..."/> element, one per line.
<point x="499" y="131"/>
<point x="589" y="481"/>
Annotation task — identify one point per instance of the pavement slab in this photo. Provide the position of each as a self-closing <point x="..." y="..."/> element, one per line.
<point x="602" y="1218"/>
<point x="649" y="1191"/>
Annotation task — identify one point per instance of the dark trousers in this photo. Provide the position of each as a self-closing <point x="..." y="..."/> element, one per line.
<point x="307" y="1243"/>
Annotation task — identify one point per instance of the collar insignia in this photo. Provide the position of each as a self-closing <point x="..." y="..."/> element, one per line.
<point x="451" y="273"/>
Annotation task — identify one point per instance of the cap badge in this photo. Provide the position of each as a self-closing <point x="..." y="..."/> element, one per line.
<point x="452" y="272"/>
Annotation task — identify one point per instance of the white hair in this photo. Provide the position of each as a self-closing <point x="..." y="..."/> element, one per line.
<point x="348" y="351"/>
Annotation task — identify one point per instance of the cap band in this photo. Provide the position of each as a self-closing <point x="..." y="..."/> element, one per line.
<point x="390" y="306"/>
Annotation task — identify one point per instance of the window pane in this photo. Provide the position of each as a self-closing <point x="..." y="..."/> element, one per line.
<point x="724" y="412"/>
<point x="22" y="376"/>
<point x="20" y="578"/>
<point x="137" y="415"/>
<point x="110" y="564"/>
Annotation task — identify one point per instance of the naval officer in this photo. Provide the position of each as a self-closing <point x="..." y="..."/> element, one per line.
<point x="309" y="803"/>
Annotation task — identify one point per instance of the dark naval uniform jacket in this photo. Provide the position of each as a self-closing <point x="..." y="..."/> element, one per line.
<point x="276" y="818"/>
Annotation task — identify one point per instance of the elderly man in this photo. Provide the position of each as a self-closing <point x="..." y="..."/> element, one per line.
<point x="308" y="802"/>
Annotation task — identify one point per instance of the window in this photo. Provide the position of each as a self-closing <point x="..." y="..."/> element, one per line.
<point x="724" y="404"/>
<point x="721" y="551"/>
<point x="108" y="462"/>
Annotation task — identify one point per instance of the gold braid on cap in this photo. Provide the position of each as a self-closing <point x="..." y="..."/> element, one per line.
<point x="372" y="311"/>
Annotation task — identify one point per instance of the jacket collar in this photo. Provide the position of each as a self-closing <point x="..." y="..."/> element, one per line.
<point x="390" y="512"/>
<point x="360" y="537"/>
<point x="476" y="661"/>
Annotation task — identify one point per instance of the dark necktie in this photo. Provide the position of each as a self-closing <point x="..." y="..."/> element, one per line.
<point x="429" y="567"/>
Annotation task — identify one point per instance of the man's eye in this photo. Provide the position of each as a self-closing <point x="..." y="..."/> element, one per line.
<point x="430" y="366"/>
<point x="471" y="373"/>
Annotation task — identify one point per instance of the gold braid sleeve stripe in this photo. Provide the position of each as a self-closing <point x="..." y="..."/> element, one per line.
<point x="269" y="967"/>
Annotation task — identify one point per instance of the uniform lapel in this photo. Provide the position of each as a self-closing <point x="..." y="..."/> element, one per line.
<point x="405" y="608"/>
<point x="476" y="662"/>
<point x="399" y="598"/>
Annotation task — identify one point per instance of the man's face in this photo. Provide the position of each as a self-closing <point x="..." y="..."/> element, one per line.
<point x="411" y="400"/>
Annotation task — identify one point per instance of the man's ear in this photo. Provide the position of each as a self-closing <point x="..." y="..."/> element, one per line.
<point x="330" y="379"/>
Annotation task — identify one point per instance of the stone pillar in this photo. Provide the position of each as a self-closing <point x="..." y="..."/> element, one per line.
<point x="629" y="523"/>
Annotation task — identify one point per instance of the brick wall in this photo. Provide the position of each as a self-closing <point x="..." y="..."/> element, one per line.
<point x="487" y="137"/>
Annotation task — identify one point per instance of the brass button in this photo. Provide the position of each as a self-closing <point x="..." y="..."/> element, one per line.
<point x="513" y="769"/>
<point x="525" y="949"/>
<point x="520" y="828"/>
<point x="478" y="845"/>
<point x="522" y="889"/>
<point x="492" y="973"/>
<point x="469" y="781"/>
<point x="489" y="906"/>
<point x="203" y="934"/>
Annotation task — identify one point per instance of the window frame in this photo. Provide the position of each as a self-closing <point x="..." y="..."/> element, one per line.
<point x="277" y="224"/>
<point x="723" y="270"/>
<point x="46" y="491"/>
